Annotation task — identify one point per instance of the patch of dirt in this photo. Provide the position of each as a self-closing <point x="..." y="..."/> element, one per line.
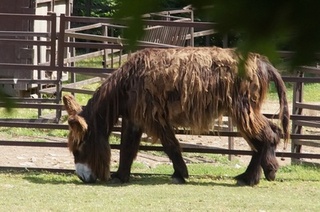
<point x="61" y="158"/>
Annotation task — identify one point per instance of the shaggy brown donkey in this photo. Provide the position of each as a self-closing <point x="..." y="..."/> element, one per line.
<point x="158" y="90"/>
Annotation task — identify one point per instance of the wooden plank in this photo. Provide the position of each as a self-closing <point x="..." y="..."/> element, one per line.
<point x="307" y="137"/>
<point x="309" y="69"/>
<point x="24" y="33"/>
<point x="38" y="120"/>
<point x="301" y="79"/>
<point x="70" y="86"/>
<point x="30" y="81"/>
<point x="83" y="82"/>
<point x="307" y="123"/>
<point x="201" y="33"/>
<point x="33" y="100"/>
<point x="25" y="42"/>
<point x="23" y="124"/>
<point x="35" y="105"/>
<point x="82" y="28"/>
<point x="315" y="143"/>
<point x="307" y="106"/>
<point x="304" y="118"/>
<point x="49" y="91"/>
<point x="76" y="90"/>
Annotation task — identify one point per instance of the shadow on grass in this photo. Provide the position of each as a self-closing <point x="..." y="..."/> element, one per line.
<point x="136" y="179"/>
<point x="145" y="180"/>
<point x="55" y="180"/>
<point x="199" y="180"/>
<point x="289" y="174"/>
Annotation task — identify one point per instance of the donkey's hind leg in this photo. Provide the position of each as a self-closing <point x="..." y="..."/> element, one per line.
<point x="130" y="140"/>
<point x="172" y="148"/>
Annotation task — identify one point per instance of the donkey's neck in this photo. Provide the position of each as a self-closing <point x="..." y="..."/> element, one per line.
<point x="102" y="109"/>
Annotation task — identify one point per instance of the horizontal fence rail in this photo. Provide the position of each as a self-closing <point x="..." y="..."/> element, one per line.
<point x="205" y="149"/>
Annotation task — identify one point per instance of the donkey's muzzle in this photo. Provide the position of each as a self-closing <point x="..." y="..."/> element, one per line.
<point x="85" y="174"/>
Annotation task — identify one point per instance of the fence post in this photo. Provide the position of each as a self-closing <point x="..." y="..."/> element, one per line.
<point x="60" y="62"/>
<point x="192" y="29"/>
<point x="296" y="110"/>
<point x="230" y="138"/>
<point x="105" y="51"/>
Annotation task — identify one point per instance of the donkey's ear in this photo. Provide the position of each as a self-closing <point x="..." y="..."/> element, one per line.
<point x="71" y="105"/>
<point x="77" y="125"/>
<point x="78" y="128"/>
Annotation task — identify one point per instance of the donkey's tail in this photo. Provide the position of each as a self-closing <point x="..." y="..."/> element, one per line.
<point x="284" y="109"/>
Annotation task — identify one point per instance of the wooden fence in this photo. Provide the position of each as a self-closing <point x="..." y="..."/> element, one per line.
<point x="68" y="39"/>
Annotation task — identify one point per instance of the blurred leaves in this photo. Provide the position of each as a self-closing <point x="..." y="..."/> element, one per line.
<point x="8" y="102"/>
<point x="264" y="25"/>
<point x="131" y="11"/>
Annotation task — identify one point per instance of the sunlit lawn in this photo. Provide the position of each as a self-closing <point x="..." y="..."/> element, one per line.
<point x="210" y="188"/>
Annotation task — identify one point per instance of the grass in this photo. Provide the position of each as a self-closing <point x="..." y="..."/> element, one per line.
<point x="310" y="92"/>
<point x="13" y="132"/>
<point x="210" y="188"/>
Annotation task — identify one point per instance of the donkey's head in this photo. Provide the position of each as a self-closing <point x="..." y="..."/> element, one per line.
<point x="91" y="150"/>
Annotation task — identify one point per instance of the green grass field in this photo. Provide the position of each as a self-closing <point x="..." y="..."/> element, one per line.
<point x="210" y="188"/>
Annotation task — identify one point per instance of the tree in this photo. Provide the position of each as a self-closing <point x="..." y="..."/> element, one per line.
<point x="95" y="8"/>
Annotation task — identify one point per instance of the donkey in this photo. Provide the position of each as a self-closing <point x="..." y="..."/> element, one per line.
<point x="158" y="90"/>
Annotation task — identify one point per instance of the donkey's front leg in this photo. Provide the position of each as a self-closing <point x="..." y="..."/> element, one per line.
<point x="269" y="161"/>
<point x="172" y="148"/>
<point x="130" y="140"/>
<point x="252" y="174"/>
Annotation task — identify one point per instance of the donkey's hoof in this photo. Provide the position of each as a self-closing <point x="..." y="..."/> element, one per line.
<point x="271" y="175"/>
<point x="241" y="183"/>
<point x="178" y="180"/>
<point x="244" y="180"/>
<point x="115" y="180"/>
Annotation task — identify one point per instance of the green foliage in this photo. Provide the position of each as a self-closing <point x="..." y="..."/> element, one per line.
<point x="266" y="24"/>
<point x="8" y="103"/>
<point x="95" y="8"/>
<point x="263" y="26"/>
